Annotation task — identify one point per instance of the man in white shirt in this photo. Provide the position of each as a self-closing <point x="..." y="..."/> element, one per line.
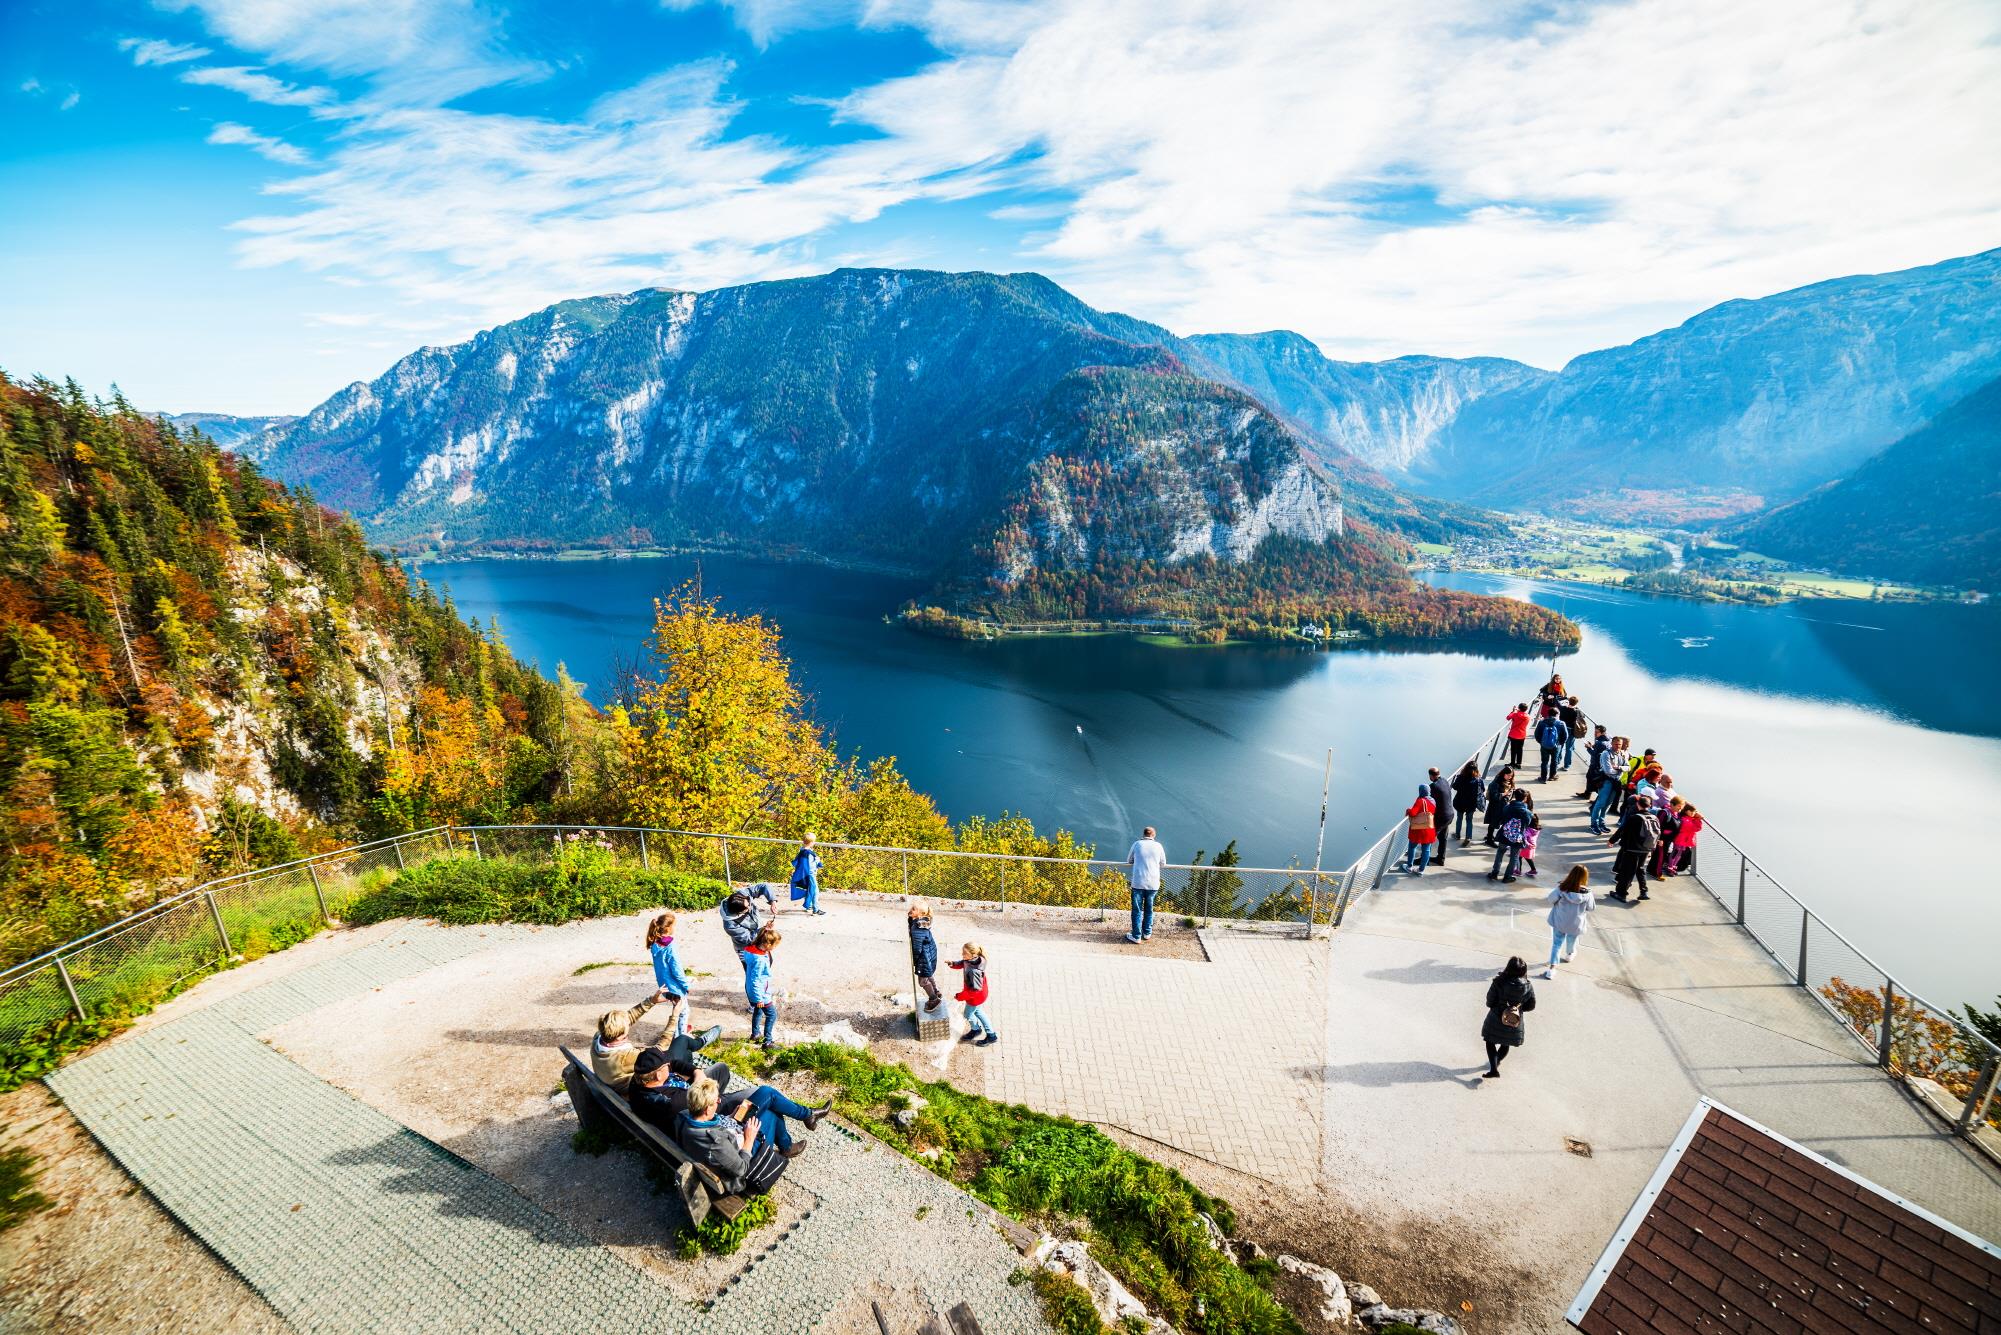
<point x="1143" y="866"/>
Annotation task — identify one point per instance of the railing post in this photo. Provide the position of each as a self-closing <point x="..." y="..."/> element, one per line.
<point x="1889" y="1011"/>
<point x="1312" y="905"/>
<point x="1806" y="919"/>
<point x="645" y="858"/>
<point x="62" y="972"/>
<point x="215" y="912"/>
<point x="1003" y="907"/>
<point x="451" y="845"/>
<point x="1743" y="874"/>
<point x="475" y="845"/>
<point x="1975" y="1110"/>
<point x="396" y="846"/>
<point x="904" y="858"/>
<point x="724" y="840"/>
<point x="313" y="868"/>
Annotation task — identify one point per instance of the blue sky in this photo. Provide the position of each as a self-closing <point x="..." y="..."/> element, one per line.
<point x="242" y="205"/>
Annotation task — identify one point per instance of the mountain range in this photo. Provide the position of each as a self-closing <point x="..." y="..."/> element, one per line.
<point x="937" y="421"/>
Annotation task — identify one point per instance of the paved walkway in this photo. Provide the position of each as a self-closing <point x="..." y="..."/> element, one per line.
<point x="1218" y="1058"/>
<point x="1667" y="1001"/>
<point x="346" y="1221"/>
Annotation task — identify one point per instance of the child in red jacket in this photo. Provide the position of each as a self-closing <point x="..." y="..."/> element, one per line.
<point x="979" y="1029"/>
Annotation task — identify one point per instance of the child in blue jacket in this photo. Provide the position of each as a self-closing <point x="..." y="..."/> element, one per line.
<point x="668" y="975"/>
<point x="758" y="987"/>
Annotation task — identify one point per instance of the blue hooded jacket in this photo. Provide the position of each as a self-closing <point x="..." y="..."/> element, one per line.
<point x="757" y="977"/>
<point x="923" y="947"/>
<point x="667" y="971"/>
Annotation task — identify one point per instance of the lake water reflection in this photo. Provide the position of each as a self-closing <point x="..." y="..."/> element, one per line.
<point x="1845" y="744"/>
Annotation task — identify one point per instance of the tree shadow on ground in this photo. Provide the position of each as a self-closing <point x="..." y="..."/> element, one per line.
<point x="1432" y="971"/>
<point x="1382" y="1075"/>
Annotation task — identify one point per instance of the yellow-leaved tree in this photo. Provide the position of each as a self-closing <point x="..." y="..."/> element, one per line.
<point x="717" y="739"/>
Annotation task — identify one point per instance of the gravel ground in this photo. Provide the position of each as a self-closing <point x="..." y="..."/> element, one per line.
<point x="104" y="1258"/>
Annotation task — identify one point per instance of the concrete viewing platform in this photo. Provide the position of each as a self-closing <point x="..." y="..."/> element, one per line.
<point x="1667" y="1001"/>
<point x="361" y="1127"/>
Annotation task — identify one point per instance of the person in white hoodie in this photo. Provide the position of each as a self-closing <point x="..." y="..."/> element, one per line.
<point x="1569" y="907"/>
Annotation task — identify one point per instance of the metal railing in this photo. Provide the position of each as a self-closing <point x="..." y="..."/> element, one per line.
<point x="131" y="965"/>
<point x="1949" y="1064"/>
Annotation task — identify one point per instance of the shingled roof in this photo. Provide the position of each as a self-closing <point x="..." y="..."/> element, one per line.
<point x="1742" y="1230"/>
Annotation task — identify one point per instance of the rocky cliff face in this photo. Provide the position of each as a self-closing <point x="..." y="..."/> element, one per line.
<point x="1386" y="414"/>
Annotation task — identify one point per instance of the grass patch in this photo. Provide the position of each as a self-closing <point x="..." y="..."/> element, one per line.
<point x="583" y="969"/>
<point x="461" y="891"/>
<point x="18" y="1197"/>
<point x="1064" y="1302"/>
<point x="1140" y="1215"/>
<point x="723" y="1236"/>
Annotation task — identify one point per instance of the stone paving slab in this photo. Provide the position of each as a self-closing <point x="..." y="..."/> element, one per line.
<point x="346" y="1221"/>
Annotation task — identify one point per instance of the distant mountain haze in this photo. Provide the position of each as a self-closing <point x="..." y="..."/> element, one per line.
<point x="225" y="429"/>
<point x="1928" y="509"/>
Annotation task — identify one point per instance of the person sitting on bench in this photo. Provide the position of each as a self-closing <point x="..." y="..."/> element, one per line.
<point x="612" y="1049"/>
<point x="660" y="1083"/>
<point x="728" y="1144"/>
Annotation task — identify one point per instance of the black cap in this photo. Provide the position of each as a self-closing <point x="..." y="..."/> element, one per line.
<point x="651" y="1060"/>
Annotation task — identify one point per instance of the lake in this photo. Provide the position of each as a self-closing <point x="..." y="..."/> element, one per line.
<point x="1843" y="744"/>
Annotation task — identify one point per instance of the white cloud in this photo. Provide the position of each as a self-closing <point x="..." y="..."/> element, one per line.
<point x="258" y="86"/>
<point x="426" y="51"/>
<point x="277" y="150"/>
<point x="157" y="51"/>
<point x="1466" y="177"/>
<point x="70" y="99"/>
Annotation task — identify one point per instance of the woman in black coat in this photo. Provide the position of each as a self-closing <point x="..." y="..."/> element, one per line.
<point x="1497" y="800"/>
<point x="1468" y="798"/>
<point x="1510" y="995"/>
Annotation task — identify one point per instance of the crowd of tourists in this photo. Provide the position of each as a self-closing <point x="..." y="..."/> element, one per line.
<point x="1632" y="804"/>
<point x="737" y="1130"/>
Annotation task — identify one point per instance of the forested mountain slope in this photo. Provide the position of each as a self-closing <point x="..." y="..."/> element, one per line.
<point x="1928" y="509"/>
<point x="201" y="669"/>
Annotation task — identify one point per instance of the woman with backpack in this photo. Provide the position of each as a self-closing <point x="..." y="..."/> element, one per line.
<point x="1499" y="790"/>
<point x="1469" y="795"/>
<point x="1510" y="997"/>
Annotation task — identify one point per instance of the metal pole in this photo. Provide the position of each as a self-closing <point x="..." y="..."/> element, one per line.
<point x="724" y="840"/>
<point x="396" y="846"/>
<point x="69" y="987"/>
<point x="1743" y="872"/>
<point x="645" y="858"/>
<point x="1319" y="844"/>
<point x="451" y="845"/>
<point x="1889" y="1010"/>
<point x="318" y="893"/>
<point x="904" y="858"/>
<point x="220" y="930"/>
<point x="1003" y="871"/>
<point x="1805" y="920"/>
<point x="475" y="845"/>
<point x="1977" y="1097"/>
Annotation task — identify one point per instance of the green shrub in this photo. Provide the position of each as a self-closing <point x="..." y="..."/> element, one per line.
<point x="1142" y="1214"/>
<point x="18" y="1197"/>
<point x="723" y="1236"/>
<point x="465" y="890"/>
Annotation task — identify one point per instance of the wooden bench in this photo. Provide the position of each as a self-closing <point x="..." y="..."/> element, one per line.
<point x="600" y="1107"/>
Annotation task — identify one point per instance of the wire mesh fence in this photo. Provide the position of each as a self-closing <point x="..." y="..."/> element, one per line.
<point x="134" y="964"/>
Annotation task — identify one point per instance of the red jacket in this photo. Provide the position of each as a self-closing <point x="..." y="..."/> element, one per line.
<point x="1428" y="834"/>
<point x="974" y="993"/>
<point x="1518" y="725"/>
